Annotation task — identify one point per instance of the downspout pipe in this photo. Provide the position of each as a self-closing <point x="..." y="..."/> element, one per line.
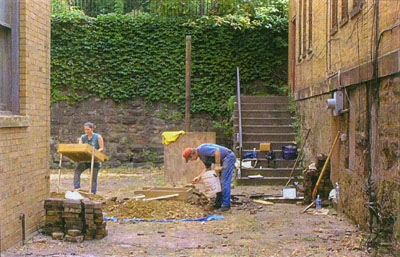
<point x="22" y="219"/>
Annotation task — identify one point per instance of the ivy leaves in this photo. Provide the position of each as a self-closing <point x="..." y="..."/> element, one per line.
<point x="122" y="57"/>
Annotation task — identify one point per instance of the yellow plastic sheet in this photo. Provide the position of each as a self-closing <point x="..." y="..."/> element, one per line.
<point x="171" y="136"/>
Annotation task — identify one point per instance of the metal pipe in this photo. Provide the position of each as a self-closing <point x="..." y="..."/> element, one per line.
<point x="239" y="116"/>
<point x="239" y="109"/>
<point x="22" y="218"/>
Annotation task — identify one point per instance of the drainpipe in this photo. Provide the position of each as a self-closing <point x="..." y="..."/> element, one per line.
<point x="22" y="218"/>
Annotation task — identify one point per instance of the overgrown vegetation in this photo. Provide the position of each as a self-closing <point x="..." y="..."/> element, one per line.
<point x="123" y="57"/>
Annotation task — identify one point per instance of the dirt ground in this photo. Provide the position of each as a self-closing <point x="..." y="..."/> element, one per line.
<point x="249" y="229"/>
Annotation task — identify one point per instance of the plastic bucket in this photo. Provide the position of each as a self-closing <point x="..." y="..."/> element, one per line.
<point x="211" y="183"/>
<point x="289" y="152"/>
<point x="289" y="193"/>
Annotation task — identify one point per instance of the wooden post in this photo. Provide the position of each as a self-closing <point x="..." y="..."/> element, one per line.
<point x="202" y="7"/>
<point x="59" y="173"/>
<point x="188" y="81"/>
<point x="91" y="170"/>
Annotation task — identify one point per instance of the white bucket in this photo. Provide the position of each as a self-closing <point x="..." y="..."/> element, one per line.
<point x="211" y="183"/>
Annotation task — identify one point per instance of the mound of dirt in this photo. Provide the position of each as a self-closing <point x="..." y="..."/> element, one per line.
<point x="153" y="210"/>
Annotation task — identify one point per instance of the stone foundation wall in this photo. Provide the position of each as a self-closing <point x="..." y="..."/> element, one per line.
<point x="131" y="131"/>
<point x="365" y="159"/>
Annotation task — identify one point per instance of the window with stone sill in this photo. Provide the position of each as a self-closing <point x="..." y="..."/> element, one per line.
<point x="14" y="121"/>
<point x="9" y="57"/>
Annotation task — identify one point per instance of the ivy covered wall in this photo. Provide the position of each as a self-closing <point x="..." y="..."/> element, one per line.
<point x="121" y="57"/>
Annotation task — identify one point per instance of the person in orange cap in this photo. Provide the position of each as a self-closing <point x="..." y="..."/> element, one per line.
<point x="224" y="163"/>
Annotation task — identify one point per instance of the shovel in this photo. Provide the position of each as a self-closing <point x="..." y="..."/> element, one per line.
<point x="314" y="193"/>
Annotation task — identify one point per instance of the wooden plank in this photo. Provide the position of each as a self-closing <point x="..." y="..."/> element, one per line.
<point x="81" y="152"/>
<point x="151" y="192"/>
<point x="263" y="202"/>
<point x="183" y="189"/>
<point x="284" y="200"/>
<point x="161" y="197"/>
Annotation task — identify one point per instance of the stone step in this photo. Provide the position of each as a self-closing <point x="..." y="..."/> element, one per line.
<point x="247" y="121"/>
<point x="261" y="106"/>
<point x="268" y="137"/>
<point x="264" y="128"/>
<point x="266" y="181"/>
<point x="265" y="114"/>
<point x="271" y="172"/>
<point x="266" y="119"/>
<point x="264" y="99"/>
<point x="248" y="146"/>
<point x="263" y="162"/>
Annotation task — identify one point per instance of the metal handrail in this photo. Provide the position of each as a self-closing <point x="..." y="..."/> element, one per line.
<point x="240" y="116"/>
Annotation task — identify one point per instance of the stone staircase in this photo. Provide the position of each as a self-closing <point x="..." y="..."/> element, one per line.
<point x="265" y="119"/>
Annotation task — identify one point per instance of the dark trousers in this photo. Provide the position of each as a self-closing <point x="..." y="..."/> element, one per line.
<point x="82" y="166"/>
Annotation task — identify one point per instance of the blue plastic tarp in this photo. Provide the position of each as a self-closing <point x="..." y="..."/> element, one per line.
<point x="207" y="218"/>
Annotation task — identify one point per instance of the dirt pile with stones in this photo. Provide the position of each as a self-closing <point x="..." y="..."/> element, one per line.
<point x="126" y="208"/>
<point x="153" y="210"/>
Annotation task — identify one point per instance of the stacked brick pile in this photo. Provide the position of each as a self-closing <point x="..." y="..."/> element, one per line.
<point x="78" y="220"/>
<point x="90" y="227"/>
<point x="54" y="210"/>
<point x="95" y="226"/>
<point x="101" y="230"/>
<point x="73" y="220"/>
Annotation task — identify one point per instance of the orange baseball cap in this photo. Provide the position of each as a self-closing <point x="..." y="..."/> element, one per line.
<point x="186" y="153"/>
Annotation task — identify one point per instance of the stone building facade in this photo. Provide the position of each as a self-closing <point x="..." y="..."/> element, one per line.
<point x="24" y="117"/>
<point x="351" y="48"/>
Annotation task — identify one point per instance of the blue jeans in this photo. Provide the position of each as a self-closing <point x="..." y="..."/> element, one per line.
<point x="228" y="168"/>
<point x="82" y="166"/>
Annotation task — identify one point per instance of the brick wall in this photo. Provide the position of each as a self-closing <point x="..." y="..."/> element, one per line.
<point x="345" y="59"/>
<point x="24" y="139"/>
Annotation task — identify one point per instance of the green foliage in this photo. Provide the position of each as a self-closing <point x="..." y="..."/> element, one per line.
<point x="150" y="156"/>
<point x="172" y="8"/>
<point x="123" y="57"/>
<point x="61" y="8"/>
<point x="225" y="126"/>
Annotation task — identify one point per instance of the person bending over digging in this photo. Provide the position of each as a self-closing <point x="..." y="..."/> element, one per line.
<point x="95" y="140"/>
<point x="224" y="164"/>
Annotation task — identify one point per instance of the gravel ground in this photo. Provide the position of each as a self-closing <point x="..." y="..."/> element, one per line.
<point x="247" y="230"/>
